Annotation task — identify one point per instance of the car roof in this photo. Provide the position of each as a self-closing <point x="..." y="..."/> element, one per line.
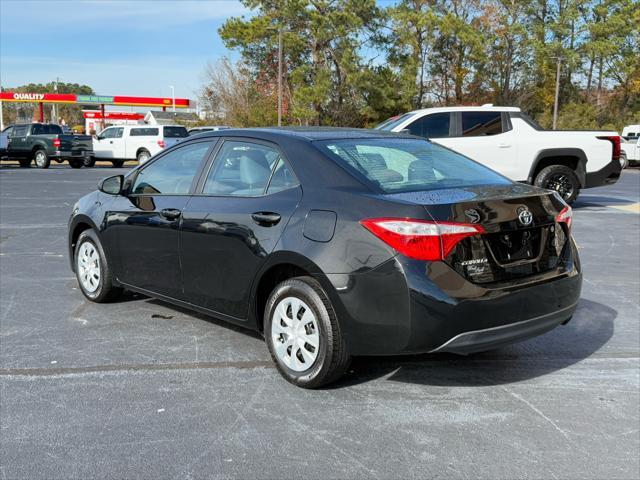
<point x="485" y="108"/>
<point x="304" y="133"/>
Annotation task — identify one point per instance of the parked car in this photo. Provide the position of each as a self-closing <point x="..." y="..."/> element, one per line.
<point x="135" y="142"/>
<point x="631" y="150"/>
<point x="631" y="131"/>
<point x="508" y="141"/>
<point x="333" y="243"/>
<point x="44" y="142"/>
<point x="210" y="128"/>
<point x="4" y="140"/>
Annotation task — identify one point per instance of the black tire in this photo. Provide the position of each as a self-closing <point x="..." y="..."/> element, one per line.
<point x="76" y="162"/>
<point x="561" y="179"/>
<point x="332" y="357"/>
<point x="106" y="291"/>
<point x="25" y="162"/>
<point x="117" y="163"/>
<point x="41" y="158"/>
<point x="143" y="156"/>
<point x="89" y="162"/>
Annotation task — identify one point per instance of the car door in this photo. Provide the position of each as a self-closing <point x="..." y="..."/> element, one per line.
<point x="234" y="221"/>
<point x="18" y="142"/>
<point x="103" y="143"/>
<point x="118" y="143"/>
<point x="144" y="224"/>
<point x="487" y="137"/>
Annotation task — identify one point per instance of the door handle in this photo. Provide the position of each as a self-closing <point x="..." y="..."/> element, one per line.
<point x="266" y="219"/>
<point x="504" y="145"/>
<point x="111" y="142"/>
<point x="170" y="213"/>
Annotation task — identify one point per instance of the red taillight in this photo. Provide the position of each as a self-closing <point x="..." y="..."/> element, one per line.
<point x="617" y="149"/>
<point x="565" y="216"/>
<point x="56" y="142"/>
<point x="161" y="143"/>
<point x="420" y="239"/>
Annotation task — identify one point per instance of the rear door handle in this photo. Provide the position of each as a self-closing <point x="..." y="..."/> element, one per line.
<point x="170" y="213"/>
<point x="504" y="145"/>
<point x="266" y="219"/>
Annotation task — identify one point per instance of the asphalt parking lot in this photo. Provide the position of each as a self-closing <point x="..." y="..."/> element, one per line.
<point x="141" y="389"/>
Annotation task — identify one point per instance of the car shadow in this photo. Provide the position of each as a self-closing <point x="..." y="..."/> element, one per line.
<point x="585" y="201"/>
<point x="591" y="327"/>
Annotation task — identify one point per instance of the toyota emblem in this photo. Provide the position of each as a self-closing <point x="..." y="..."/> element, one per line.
<point x="525" y="216"/>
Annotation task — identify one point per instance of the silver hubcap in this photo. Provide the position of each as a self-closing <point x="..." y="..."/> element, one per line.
<point x="295" y="334"/>
<point x="143" y="158"/>
<point x="40" y="159"/>
<point x="89" y="267"/>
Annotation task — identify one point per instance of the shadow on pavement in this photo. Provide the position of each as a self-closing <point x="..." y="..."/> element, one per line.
<point x="591" y="327"/>
<point x="598" y="201"/>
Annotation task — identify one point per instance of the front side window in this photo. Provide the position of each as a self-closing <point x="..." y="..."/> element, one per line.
<point x="479" y="124"/>
<point x="19" y="131"/>
<point x="108" y="133"/>
<point x="435" y="125"/>
<point x="173" y="173"/>
<point x="244" y="169"/>
<point x="405" y="165"/>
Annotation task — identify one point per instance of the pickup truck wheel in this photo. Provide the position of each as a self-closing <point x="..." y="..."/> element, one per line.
<point x="117" y="163"/>
<point x="76" y="162"/>
<point x="24" y="162"/>
<point x="560" y="178"/>
<point x="143" y="156"/>
<point x="42" y="159"/>
<point x="89" y="162"/>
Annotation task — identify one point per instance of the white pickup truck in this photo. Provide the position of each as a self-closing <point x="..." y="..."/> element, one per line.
<point x="508" y="141"/>
<point x="135" y="142"/>
<point x="631" y="149"/>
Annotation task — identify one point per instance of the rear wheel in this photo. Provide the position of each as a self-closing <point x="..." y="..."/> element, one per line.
<point x="42" y="159"/>
<point x="303" y="335"/>
<point x="92" y="271"/>
<point x="76" y="162"/>
<point x="117" y="163"/>
<point x="560" y="178"/>
<point x="143" y="156"/>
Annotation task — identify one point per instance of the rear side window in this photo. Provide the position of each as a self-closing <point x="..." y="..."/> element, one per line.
<point x="244" y="169"/>
<point x="52" y="129"/>
<point x="37" y="130"/>
<point x="479" y="124"/>
<point x="172" y="173"/>
<point x="175" y="132"/>
<point x="405" y="165"/>
<point x="144" y="132"/>
<point x="431" y="126"/>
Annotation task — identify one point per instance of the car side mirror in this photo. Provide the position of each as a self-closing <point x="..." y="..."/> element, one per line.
<point x="112" y="185"/>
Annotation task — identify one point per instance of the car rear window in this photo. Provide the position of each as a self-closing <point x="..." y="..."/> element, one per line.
<point x="406" y="165"/>
<point x="175" y="132"/>
<point x="144" y="132"/>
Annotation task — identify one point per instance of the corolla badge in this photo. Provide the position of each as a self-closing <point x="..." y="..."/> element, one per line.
<point x="524" y="216"/>
<point x="473" y="215"/>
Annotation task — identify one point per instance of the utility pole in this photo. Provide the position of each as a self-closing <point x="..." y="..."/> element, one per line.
<point x="55" y="107"/>
<point x="173" y="96"/>
<point x="555" y="103"/>
<point x="280" y="76"/>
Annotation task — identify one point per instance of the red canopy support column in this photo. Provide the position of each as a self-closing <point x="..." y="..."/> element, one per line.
<point x="164" y="109"/>
<point x="41" y="107"/>
<point x="104" y="124"/>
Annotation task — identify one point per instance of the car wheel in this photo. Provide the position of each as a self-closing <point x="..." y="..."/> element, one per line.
<point x="42" y="159"/>
<point x="89" y="161"/>
<point x="92" y="270"/>
<point x="24" y="162"/>
<point x="117" y="163"/>
<point x="303" y="334"/>
<point x="624" y="163"/>
<point x="143" y="156"/>
<point x="560" y="178"/>
<point x="76" y="162"/>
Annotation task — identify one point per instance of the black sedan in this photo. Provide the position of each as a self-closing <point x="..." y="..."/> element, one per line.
<point x="333" y="243"/>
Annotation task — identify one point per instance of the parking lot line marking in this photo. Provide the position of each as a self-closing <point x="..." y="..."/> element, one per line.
<point x="632" y="207"/>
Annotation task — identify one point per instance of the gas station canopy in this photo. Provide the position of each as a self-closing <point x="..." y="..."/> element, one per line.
<point x="121" y="100"/>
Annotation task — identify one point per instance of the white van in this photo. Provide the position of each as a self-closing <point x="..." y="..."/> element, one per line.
<point x="135" y="142"/>
<point x="631" y="131"/>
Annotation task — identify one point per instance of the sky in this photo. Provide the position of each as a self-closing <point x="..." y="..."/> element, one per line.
<point x="118" y="47"/>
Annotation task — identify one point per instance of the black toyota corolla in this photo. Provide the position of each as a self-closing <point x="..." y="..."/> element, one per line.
<point x="333" y="243"/>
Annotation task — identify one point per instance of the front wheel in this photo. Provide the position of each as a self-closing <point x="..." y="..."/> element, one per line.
<point x="92" y="271"/>
<point x="560" y="178"/>
<point x="89" y="161"/>
<point x="42" y="159"/>
<point x="303" y="334"/>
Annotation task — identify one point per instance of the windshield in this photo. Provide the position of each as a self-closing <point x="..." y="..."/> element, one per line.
<point x="406" y="165"/>
<point x="389" y="124"/>
<point x="175" y="132"/>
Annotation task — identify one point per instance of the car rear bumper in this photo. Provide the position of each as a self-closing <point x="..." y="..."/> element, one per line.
<point x="609" y="174"/>
<point x="71" y="154"/>
<point x="410" y="307"/>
